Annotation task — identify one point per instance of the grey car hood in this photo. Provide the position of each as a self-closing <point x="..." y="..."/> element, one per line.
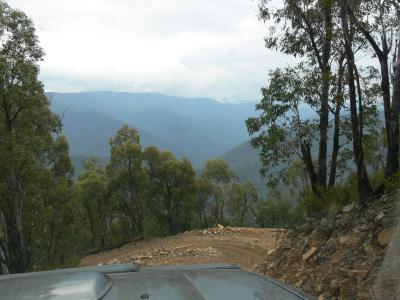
<point x="115" y="282"/>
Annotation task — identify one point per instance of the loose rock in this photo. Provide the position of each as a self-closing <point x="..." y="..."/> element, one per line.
<point x="309" y="253"/>
<point x="386" y="236"/>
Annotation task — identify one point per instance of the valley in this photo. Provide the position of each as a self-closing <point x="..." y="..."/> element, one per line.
<point x="198" y="129"/>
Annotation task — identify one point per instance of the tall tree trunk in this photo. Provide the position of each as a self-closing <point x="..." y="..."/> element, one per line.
<point x="92" y="228"/>
<point x="49" y="257"/>
<point x="15" y="229"/>
<point x="392" y="166"/>
<point x="169" y="204"/>
<point x="307" y="159"/>
<point x="3" y="249"/>
<point x="243" y="212"/>
<point x="364" y="186"/>
<point x="336" y="134"/>
<point x="385" y="86"/>
<point x="391" y="110"/>
<point x="137" y="215"/>
<point x="325" y="84"/>
<point x="15" y="234"/>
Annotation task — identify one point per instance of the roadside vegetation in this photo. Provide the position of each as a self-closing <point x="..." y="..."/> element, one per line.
<point x="349" y="74"/>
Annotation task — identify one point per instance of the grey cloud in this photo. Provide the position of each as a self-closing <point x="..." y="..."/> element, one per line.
<point x="211" y="48"/>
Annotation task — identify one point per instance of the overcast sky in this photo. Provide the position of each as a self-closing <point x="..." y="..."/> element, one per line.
<point x="194" y="48"/>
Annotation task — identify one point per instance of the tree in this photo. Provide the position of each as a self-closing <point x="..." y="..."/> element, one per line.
<point x="243" y="203"/>
<point x="337" y="103"/>
<point x="92" y="192"/>
<point x="282" y="133"/>
<point x="295" y="182"/>
<point x="378" y="29"/>
<point x="204" y="196"/>
<point x="275" y="212"/>
<point x="364" y="186"/>
<point x="308" y="30"/>
<point x="172" y="187"/>
<point x="127" y="178"/>
<point x="27" y="127"/>
<point x="220" y="178"/>
<point x="57" y="217"/>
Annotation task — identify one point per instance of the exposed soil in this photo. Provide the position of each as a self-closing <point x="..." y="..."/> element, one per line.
<point x="347" y="255"/>
<point x="245" y="247"/>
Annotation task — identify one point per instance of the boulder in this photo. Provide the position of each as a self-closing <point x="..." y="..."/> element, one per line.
<point x="287" y="244"/>
<point x="386" y="236"/>
<point x="346" y="240"/>
<point x="369" y="249"/>
<point x="363" y="228"/>
<point x="330" y="246"/>
<point x="334" y="285"/>
<point x="324" y="296"/>
<point x="347" y="290"/>
<point x="379" y="216"/>
<point x="348" y="208"/>
<point x="356" y="274"/>
<point x="309" y="253"/>
<point x="271" y="252"/>
<point x="292" y="258"/>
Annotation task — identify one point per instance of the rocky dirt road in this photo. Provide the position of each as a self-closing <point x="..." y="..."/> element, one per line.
<point x="246" y="247"/>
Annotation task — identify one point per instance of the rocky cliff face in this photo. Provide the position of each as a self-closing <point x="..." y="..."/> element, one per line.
<point x="351" y="254"/>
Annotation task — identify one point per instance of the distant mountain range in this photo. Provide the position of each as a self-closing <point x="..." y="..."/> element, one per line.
<point x="199" y="129"/>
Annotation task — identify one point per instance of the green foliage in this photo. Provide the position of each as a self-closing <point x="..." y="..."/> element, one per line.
<point x="91" y="191"/>
<point x="330" y="199"/>
<point x="28" y="131"/>
<point x="219" y="178"/>
<point x="126" y="174"/>
<point x="280" y="129"/>
<point x="275" y="212"/>
<point x="392" y="184"/>
<point x="243" y="204"/>
<point x="117" y="232"/>
<point x="171" y="191"/>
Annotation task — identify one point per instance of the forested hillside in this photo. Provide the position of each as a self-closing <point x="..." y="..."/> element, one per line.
<point x="245" y="162"/>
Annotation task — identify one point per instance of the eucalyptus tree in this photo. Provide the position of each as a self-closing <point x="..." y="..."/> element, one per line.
<point x="172" y="189"/>
<point x="203" y="205"/>
<point x="55" y="221"/>
<point x="364" y="185"/>
<point x="126" y="178"/>
<point x="283" y="134"/>
<point x="243" y="203"/>
<point x="91" y="189"/>
<point x="307" y="29"/>
<point x="220" y="178"/>
<point x="378" y="21"/>
<point x="338" y="102"/>
<point x="27" y="127"/>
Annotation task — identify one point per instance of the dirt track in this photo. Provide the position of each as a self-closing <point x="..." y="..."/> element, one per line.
<point x="245" y="247"/>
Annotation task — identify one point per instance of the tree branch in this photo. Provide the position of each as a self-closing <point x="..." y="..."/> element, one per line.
<point x="365" y="32"/>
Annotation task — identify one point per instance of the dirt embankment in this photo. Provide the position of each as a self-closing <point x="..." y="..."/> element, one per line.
<point x="246" y="247"/>
<point x="351" y="254"/>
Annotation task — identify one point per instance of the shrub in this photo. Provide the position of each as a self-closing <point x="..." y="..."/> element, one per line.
<point x="331" y="199"/>
<point x="392" y="184"/>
